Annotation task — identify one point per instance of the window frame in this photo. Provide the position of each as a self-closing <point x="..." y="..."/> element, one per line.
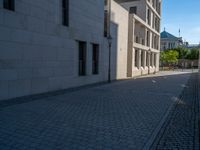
<point x="95" y="59"/>
<point x="82" y="58"/>
<point x="65" y="12"/>
<point x="9" y="5"/>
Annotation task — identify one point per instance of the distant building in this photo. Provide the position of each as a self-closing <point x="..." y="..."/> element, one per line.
<point x="138" y="24"/>
<point x="193" y="46"/>
<point x="169" y="41"/>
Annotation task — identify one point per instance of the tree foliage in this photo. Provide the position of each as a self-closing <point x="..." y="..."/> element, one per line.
<point x="169" y="56"/>
<point x="193" y="54"/>
<point x="186" y="53"/>
<point x="183" y="52"/>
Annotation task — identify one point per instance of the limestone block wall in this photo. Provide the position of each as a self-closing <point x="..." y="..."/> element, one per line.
<point x="38" y="54"/>
<point x="119" y="17"/>
<point x="141" y="7"/>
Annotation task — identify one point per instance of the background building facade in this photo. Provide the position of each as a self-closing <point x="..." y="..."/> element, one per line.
<point x="138" y="24"/>
<point x="169" y="41"/>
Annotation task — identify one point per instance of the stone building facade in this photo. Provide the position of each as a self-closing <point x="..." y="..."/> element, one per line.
<point x="49" y="45"/>
<point x="138" y="25"/>
<point x="169" y="41"/>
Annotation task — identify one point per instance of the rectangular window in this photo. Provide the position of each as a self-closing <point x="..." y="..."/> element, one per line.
<point x="133" y="10"/>
<point x="65" y="12"/>
<point x="152" y="41"/>
<point x="142" y="58"/>
<point x="106" y="17"/>
<point x="155" y="59"/>
<point x="136" y="58"/>
<point x="151" y="59"/>
<point x="147" y="59"/>
<point x="95" y="58"/>
<point x="105" y="23"/>
<point x="9" y="4"/>
<point x="147" y="38"/>
<point x="82" y="58"/>
<point x="149" y="16"/>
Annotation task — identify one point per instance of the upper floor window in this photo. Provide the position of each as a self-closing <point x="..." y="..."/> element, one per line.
<point x="95" y="58"/>
<point x="106" y="17"/>
<point x="9" y="4"/>
<point x="82" y="58"/>
<point x="65" y="12"/>
<point x="148" y="16"/>
<point x="133" y="10"/>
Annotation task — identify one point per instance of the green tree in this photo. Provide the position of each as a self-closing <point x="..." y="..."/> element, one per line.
<point x="193" y="54"/>
<point x="169" y="56"/>
<point x="162" y="56"/>
<point x="182" y="52"/>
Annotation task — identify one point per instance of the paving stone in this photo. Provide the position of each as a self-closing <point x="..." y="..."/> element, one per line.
<point x="179" y="129"/>
<point x="121" y="115"/>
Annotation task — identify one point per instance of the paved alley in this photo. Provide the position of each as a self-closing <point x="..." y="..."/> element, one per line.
<point x="122" y="115"/>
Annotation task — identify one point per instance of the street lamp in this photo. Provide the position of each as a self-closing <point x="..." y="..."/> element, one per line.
<point x="109" y="38"/>
<point x="149" y="52"/>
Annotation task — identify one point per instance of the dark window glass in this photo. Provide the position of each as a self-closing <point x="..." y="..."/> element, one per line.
<point x="106" y="17"/>
<point x="95" y="59"/>
<point x="142" y="59"/>
<point x="9" y="4"/>
<point x="151" y="59"/>
<point x="133" y="10"/>
<point x="65" y="12"/>
<point x="147" y="38"/>
<point x="147" y="59"/>
<point x="136" y="58"/>
<point x="82" y="58"/>
<point x="105" y="23"/>
<point x="155" y="59"/>
<point x="149" y="17"/>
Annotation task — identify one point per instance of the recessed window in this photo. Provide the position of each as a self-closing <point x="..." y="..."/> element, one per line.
<point x="142" y="58"/>
<point x="136" y="59"/>
<point x="155" y="59"/>
<point x="148" y="16"/>
<point x="65" y="12"/>
<point x="106" y="18"/>
<point x="147" y="59"/>
<point x="95" y="58"/>
<point x="151" y="59"/>
<point x="9" y="4"/>
<point x="82" y="58"/>
<point x="133" y="10"/>
<point x="105" y="23"/>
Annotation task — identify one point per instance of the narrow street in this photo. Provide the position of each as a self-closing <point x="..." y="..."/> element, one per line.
<point x="142" y="113"/>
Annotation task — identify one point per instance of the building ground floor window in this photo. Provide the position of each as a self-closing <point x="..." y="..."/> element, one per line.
<point x="145" y="59"/>
<point x="82" y="58"/>
<point x="88" y="65"/>
<point x="137" y="58"/>
<point x="95" y="58"/>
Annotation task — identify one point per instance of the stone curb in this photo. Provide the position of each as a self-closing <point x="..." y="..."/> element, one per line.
<point x="157" y="133"/>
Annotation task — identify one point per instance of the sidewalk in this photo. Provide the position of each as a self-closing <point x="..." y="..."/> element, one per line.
<point x="122" y="115"/>
<point x="181" y="130"/>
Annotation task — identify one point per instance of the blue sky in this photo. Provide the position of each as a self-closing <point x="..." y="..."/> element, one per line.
<point x="183" y="14"/>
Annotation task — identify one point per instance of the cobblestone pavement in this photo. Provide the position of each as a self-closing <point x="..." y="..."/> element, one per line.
<point x="180" y="130"/>
<point x="118" y="116"/>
